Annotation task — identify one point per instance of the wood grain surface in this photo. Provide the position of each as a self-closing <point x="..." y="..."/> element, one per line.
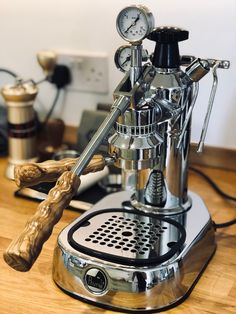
<point x="30" y="174"/>
<point x="35" y="292"/>
<point x="25" y="249"/>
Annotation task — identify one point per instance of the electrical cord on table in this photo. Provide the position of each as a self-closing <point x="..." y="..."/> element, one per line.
<point x="52" y="107"/>
<point x="9" y="72"/>
<point x="221" y="193"/>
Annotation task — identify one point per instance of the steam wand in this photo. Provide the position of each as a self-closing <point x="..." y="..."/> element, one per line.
<point x="209" y="109"/>
<point x="214" y="64"/>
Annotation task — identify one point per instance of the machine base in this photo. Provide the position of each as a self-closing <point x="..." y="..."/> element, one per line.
<point x="138" y="286"/>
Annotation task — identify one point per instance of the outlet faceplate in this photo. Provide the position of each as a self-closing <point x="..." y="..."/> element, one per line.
<point x="89" y="71"/>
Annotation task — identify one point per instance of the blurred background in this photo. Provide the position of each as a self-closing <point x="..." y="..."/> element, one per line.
<point x="76" y="28"/>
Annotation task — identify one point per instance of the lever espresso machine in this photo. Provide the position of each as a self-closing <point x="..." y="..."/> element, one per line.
<point x="145" y="247"/>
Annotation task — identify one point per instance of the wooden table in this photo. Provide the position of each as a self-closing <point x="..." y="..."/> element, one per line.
<point x="35" y="292"/>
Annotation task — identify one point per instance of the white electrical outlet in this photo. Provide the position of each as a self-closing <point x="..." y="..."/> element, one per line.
<point x="89" y="71"/>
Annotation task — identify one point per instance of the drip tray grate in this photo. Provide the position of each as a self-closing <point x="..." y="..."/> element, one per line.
<point x="127" y="236"/>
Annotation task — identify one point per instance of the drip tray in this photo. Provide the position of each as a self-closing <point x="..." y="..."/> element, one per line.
<point x="127" y="237"/>
<point x="102" y="263"/>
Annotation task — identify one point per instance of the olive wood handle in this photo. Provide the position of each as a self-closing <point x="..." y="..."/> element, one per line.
<point x="22" y="253"/>
<point x="49" y="171"/>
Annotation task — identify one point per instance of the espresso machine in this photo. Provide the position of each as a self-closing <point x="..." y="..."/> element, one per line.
<point x="141" y="249"/>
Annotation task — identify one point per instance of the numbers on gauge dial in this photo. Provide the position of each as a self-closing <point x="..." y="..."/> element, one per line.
<point x="123" y="58"/>
<point x="133" y="24"/>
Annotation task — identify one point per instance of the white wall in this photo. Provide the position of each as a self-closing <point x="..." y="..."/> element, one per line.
<point x="28" y="26"/>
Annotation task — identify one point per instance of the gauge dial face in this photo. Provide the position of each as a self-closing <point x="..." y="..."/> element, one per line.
<point x="123" y="58"/>
<point x="134" y="23"/>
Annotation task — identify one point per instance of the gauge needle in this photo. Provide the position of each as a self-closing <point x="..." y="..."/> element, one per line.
<point x="134" y="22"/>
<point x="126" y="60"/>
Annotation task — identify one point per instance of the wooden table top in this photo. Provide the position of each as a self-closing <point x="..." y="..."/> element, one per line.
<point x="35" y="292"/>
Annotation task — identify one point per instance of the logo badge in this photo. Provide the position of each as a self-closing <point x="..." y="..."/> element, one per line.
<point x="96" y="280"/>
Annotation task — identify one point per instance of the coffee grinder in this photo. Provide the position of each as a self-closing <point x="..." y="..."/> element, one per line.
<point x="22" y="121"/>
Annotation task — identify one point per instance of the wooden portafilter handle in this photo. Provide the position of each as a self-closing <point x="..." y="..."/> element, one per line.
<point x="22" y="253"/>
<point x="49" y="171"/>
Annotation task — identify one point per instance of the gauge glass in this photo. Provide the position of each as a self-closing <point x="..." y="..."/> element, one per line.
<point x="123" y="58"/>
<point x="134" y="23"/>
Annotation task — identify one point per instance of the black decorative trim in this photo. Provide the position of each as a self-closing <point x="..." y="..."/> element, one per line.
<point x="125" y="260"/>
<point x="22" y="130"/>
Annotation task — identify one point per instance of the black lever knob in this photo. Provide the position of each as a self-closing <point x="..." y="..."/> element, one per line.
<point x="166" y="54"/>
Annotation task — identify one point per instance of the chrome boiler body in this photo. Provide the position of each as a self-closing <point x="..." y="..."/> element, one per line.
<point x="146" y="141"/>
<point x="144" y="248"/>
<point x="108" y="280"/>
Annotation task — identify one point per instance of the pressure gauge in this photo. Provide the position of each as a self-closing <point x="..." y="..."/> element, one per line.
<point x="123" y="57"/>
<point x="134" y="23"/>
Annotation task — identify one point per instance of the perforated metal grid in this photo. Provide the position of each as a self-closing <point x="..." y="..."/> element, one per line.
<point x="130" y="235"/>
<point x="126" y="235"/>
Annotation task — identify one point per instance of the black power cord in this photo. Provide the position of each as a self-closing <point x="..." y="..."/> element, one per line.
<point x="9" y="72"/>
<point x="224" y="224"/>
<point x="60" y="78"/>
<point x="52" y="107"/>
<point x="221" y="193"/>
<point x="213" y="184"/>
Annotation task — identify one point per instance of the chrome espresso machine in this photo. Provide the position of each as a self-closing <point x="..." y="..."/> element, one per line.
<point x="145" y="247"/>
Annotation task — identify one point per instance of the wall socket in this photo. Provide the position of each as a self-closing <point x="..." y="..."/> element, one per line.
<point x="89" y="71"/>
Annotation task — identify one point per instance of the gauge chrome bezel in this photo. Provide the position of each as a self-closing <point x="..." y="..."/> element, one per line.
<point x="149" y="20"/>
<point x="117" y="57"/>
